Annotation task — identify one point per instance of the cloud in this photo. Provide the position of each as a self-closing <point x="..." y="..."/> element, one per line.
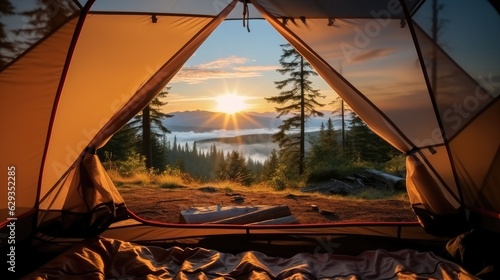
<point x="257" y="151"/>
<point x="223" y="68"/>
<point x="258" y="68"/>
<point x="223" y="62"/>
<point x="176" y="97"/>
<point x="190" y="136"/>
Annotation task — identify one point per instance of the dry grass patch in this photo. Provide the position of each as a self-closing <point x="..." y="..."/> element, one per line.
<point x="163" y="197"/>
<point x="134" y="179"/>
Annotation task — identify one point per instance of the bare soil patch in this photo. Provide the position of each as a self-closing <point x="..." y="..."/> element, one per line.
<point x="165" y="205"/>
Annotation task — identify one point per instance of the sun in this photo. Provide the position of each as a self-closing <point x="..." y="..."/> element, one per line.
<point x="230" y="103"/>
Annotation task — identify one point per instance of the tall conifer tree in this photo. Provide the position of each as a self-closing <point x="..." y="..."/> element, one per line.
<point x="365" y="145"/>
<point x="298" y="102"/>
<point x="6" y="47"/>
<point x="151" y="122"/>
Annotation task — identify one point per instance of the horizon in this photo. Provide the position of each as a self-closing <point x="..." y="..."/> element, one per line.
<point x="239" y="112"/>
<point x="191" y="129"/>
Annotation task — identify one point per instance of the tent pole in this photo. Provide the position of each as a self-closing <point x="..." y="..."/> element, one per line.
<point x="71" y="49"/>
<point x="157" y="81"/>
<point x="434" y="105"/>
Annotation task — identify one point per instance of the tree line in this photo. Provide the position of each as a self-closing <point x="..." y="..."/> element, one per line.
<point x="326" y="158"/>
<point x="124" y="153"/>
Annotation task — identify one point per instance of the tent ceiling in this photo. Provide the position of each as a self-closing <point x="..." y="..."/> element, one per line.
<point x="283" y="8"/>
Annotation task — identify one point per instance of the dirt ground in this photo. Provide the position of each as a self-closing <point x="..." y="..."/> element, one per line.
<point x="165" y="205"/>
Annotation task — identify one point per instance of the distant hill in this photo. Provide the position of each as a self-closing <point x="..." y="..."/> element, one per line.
<point x="250" y="139"/>
<point x="241" y="139"/>
<point x="202" y="121"/>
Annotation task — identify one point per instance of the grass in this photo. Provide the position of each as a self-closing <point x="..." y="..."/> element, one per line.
<point x="143" y="178"/>
<point x="134" y="179"/>
<point x="375" y="193"/>
<point x="166" y="181"/>
<point x="173" y="182"/>
<point x="171" y="186"/>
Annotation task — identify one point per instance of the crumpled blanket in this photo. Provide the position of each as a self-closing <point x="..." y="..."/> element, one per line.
<point x="105" y="258"/>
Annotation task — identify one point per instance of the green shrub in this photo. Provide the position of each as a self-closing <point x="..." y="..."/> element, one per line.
<point x="132" y="165"/>
<point x="396" y="165"/>
<point x="285" y="177"/>
<point x="338" y="169"/>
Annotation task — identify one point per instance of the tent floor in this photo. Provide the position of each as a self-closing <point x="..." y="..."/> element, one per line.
<point x="476" y="251"/>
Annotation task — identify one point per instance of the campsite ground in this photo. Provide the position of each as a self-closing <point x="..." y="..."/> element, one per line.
<point x="164" y="204"/>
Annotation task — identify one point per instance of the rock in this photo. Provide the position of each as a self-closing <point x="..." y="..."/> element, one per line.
<point x="238" y="198"/>
<point x="329" y="214"/>
<point x="329" y="187"/>
<point x="391" y="181"/>
<point x="208" y="189"/>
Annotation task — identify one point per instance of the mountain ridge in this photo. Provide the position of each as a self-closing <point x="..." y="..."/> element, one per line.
<point x="202" y="121"/>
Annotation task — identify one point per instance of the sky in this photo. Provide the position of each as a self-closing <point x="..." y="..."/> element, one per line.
<point x="231" y="62"/>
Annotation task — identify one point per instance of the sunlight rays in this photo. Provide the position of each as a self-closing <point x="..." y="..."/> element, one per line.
<point x="230" y="103"/>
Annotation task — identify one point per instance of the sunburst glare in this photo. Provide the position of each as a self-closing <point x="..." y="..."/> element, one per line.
<point x="230" y="103"/>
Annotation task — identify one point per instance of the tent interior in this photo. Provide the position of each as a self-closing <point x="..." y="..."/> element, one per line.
<point x="73" y="72"/>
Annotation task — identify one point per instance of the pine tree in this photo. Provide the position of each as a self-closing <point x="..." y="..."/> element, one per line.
<point x="328" y="137"/>
<point x="325" y="157"/>
<point x="255" y="167"/>
<point x="42" y="20"/>
<point x="340" y="109"/>
<point x="159" y="161"/>
<point x="270" y="166"/>
<point x="217" y="162"/>
<point x="195" y="149"/>
<point x="121" y="145"/>
<point x="299" y="101"/>
<point x="150" y="121"/>
<point x="174" y="145"/>
<point x="237" y="170"/>
<point x="365" y="145"/>
<point x="7" y="49"/>
<point x="179" y="164"/>
<point x="222" y="171"/>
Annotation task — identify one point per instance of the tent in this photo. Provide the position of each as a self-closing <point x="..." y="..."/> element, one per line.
<point x="424" y="75"/>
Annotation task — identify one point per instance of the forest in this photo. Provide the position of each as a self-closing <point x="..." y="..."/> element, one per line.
<point x="327" y="158"/>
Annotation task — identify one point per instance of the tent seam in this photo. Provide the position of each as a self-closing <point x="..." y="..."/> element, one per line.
<point x="434" y="103"/>
<point x="40" y="41"/>
<point x="355" y="89"/>
<point x="71" y="49"/>
<point x="125" y="13"/>
<point x="132" y="100"/>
